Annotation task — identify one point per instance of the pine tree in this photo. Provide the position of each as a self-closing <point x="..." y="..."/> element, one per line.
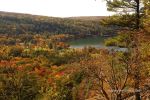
<point x="126" y="6"/>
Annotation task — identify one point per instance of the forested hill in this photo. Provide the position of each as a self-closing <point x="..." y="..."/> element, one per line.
<point x="15" y="23"/>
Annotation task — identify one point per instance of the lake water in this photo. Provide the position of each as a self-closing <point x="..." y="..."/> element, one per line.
<point x="97" y="42"/>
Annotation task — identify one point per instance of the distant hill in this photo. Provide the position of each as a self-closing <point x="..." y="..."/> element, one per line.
<point x="16" y="23"/>
<point x="13" y="14"/>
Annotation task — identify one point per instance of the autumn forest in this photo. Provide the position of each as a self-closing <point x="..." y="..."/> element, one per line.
<point x="38" y="63"/>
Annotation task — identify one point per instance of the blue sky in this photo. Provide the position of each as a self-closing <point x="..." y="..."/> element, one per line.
<point x="56" y="8"/>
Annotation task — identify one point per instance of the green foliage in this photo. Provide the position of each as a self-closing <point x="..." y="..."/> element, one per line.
<point x="16" y="85"/>
<point x="119" y="40"/>
<point x="111" y="42"/>
<point x="36" y="64"/>
<point x="120" y="21"/>
<point x="11" y="23"/>
<point x="39" y="52"/>
<point x="146" y="19"/>
<point x="15" y="51"/>
<point x="121" y="5"/>
<point x="78" y="77"/>
<point x="63" y="91"/>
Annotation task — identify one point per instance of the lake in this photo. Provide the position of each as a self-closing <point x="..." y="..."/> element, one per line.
<point x="97" y="42"/>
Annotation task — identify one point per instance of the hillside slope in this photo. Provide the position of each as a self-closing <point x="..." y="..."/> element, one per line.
<point x="15" y="23"/>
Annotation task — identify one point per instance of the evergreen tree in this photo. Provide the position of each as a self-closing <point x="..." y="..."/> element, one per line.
<point x="126" y="6"/>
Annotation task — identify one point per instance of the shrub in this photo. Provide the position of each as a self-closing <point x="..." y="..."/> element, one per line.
<point x="19" y="85"/>
<point x="15" y="51"/>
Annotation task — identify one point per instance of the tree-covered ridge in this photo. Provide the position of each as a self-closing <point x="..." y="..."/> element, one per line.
<point x="42" y="67"/>
<point x="13" y="23"/>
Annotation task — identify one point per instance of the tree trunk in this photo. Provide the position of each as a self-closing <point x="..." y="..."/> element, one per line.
<point x="137" y="71"/>
<point x="137" y="14"/>
<point x="137" y="89"/>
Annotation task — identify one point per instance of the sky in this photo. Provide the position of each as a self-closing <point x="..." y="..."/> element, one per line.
<point x="56" y="8"/>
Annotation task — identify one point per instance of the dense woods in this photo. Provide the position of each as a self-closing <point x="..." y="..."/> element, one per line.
<point x="36" y="63"/>
<point x="13" y="23"/>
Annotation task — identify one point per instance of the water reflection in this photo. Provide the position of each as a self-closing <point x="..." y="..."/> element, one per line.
<point x="96" y="42"/>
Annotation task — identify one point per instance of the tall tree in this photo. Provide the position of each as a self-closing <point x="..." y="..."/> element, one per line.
<point x="131" y="7"/>
<point x="147" y="15"/>
<point x="126" y="6"/>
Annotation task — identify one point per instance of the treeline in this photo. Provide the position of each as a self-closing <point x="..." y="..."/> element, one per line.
<point x="13" y="23"/>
